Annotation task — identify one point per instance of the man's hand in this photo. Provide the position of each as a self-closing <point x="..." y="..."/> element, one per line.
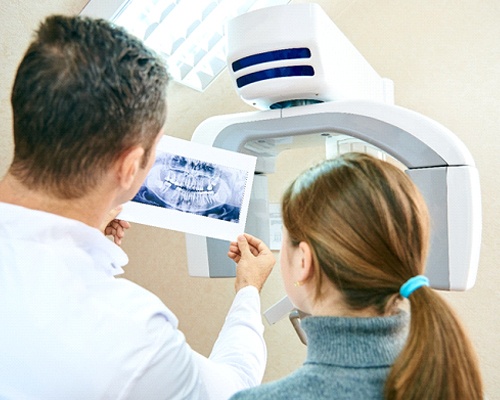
<point x="255" y="261"/>
<point x="115" y="227"/>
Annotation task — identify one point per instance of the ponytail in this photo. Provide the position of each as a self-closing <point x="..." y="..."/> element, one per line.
<point x="438" y="361"/>
<point x="368" y="227"/>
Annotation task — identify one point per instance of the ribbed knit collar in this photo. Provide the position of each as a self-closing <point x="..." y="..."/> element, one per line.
<point x="355" y="342"/>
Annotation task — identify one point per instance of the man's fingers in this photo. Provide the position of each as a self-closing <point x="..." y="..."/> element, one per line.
<point x="235" y="257"/>
<point x="110" y="216"/>
<point x="243" y="244"/>
<point x="114" y="212"/>
<point x="124" y="224"/>
<point x="257" y="244"/>
<point x="233" y="246"/>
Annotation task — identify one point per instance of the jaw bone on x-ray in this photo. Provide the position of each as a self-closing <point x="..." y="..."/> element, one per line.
<point x="194" y="186"/>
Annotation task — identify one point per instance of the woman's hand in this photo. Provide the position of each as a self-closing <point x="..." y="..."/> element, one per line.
<point x="255" y="261"/>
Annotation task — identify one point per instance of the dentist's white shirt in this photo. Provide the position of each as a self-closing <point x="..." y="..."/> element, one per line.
<point x="70" y="330"/>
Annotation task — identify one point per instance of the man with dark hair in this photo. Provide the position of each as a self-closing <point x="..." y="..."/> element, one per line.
<point x="83" y="94"/>
<point x="89" y="104"/>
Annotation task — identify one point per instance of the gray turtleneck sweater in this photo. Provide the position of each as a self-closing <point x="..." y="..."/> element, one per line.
<point x="347" y="358"/>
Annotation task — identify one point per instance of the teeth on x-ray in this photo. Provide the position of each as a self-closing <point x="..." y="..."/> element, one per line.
<point x="194" y="186"/>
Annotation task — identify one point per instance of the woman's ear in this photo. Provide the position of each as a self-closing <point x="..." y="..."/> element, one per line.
<point x="128" y="165"/>
<point x="306" y="270"/>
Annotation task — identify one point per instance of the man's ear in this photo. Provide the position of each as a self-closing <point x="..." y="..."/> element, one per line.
<point x="307" y="266"/>
<point x="128" y="165"/>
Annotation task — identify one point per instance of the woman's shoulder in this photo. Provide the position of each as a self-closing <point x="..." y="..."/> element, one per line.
<point x="319" y="381"/>
<point x="297" y="385"/>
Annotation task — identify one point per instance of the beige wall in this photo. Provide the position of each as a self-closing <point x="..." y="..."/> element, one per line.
<point x="444" y="59"/>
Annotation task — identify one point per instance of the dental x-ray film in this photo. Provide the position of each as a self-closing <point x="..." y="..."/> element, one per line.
<point x="194" y="188"/>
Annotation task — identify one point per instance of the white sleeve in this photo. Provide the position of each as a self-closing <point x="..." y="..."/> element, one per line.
<point x="237" y="361"/>
<point x="239" y="355"/>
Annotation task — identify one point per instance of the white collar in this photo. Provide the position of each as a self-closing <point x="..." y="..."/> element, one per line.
<point x="24" y="223"/>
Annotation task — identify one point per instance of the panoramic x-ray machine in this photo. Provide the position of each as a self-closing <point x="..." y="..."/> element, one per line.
<point x="317" y="88"/>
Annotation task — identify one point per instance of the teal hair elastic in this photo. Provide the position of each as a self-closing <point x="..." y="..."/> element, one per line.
<point x="413" y="284"/>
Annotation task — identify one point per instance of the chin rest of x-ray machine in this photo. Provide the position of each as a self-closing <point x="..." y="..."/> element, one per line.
<point x="436" y="160"/>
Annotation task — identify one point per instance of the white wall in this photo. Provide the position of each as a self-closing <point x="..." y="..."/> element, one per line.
<point x="444" y="59"/>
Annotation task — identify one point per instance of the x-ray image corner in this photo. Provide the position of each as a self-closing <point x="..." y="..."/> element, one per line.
<point x="71" y="328"/>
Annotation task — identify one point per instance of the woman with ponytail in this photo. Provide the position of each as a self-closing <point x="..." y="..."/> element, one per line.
<point x="356" y="236"/>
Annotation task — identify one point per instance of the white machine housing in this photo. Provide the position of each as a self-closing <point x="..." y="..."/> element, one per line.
<point x="294" y="51"/>
<point x="357" y="103"/>
<point x="436" y="160"/>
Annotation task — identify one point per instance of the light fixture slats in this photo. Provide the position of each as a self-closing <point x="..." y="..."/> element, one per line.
<point x="189" y="34"/>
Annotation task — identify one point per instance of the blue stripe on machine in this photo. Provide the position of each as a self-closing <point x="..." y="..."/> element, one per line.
<point x="285" y="54"/>
<point x="298" y="70"/>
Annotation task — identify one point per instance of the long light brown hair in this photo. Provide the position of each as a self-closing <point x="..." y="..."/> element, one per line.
<point x="368" y="228"/>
